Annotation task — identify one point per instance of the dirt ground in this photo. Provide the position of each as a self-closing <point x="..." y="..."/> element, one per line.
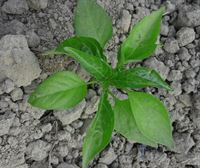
<point x="34" y="138"/>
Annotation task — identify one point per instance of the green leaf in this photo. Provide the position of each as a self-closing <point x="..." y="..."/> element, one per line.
<point x="152" y="118"/>
<point x="139" y="77"/>
<point x="141" y="41"/>
<point x="94" y="65"/>
<point x="60" y="91"/>
<point x="85" y="44"/>
<point x="92" y="21"/>
<point x="125" y="123"/>
<point x="99" y="133"/>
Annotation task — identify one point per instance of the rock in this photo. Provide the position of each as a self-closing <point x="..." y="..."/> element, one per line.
<point x="183" y="54"/>
<point x="183" y="142"/>
<point x="6" y="121"/>
<point x="175" y="75"/>
<point x="125" y="20"/>
<point x="22" y="166"/>
<point x="164" y="30"/>
<point x="66" y="165"/>
<point x="16" y="94"/>
<point x="177" y="88"/>
<point x="43" y="164"/>
<point x="33" y="39"/>
<point x="8" y="86"/>
<point x="37" y="4"/>
<point x="171" y="45"/>
<point x="157" y="65"/>
<point x="15" y="6"/>
<point x="70" y="115"/>
<point x="188" y="16"/>
<point x="63" y="150"/>
<point x="38" y="150"/>
<point x="189" y="159"/>
<point x="15" y="27"/>
<point x="92" y="105"/>
<point x="186" y="100"/>
<point x="101" y="166"/>
<point x="108" y="157"/>
<point x="17" y="62"/>
<point x="185" y="36"/>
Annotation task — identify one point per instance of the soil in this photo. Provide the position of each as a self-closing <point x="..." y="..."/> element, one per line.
<point x="34" y="138"/>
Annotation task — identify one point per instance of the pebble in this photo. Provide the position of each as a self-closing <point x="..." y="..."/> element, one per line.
<point x="66" y="165"/>
<point x="164" y="30"/>
<point x="15" y="6"/>
<point x="183" y="54"/>
<point x="175" y="75"/>
<point x="125" y="20"/>
<point x="32" y="38"/>
<point x="188" y="16"/>
<point x="16" y="94"/>
<point x="108" y="157"/>
<point x="37" y="4"/>
<point x="158" y="66"/>
<point x="6" y="121"/>
<point x="8" y="86"/>
<point x="171" y="45"/>
<point x="70" y="115"/>
<point x="18" y="63"/>
<point x="185" y="36"/>
<point x="38" y="150"/>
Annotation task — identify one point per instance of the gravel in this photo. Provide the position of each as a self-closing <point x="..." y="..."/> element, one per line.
<point x="185" y="36"/>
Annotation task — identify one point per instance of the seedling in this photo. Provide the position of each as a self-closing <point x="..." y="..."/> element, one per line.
<point x="141" y="117"/>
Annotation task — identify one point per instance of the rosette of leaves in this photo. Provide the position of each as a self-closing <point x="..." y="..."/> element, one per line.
<point x="141" y="118"/>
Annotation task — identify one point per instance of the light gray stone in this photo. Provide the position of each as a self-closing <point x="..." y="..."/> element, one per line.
<point x="183" y="54"/>
<point x="66" y="165"/>
<point x="164" y="30"/>
<point x="70" y="115"/>
<point x="185" y="36"/>
<point x="15" y="6"/>
<point x="8" y="86"/>
<point x="17" y="62"/>
<point x="108" y="157"/>
<point x="37" y="4"/>
<point x="63" y="150"/>
<point x="175" y="75"/>
<point x="6" y="121"/>
<point x="125" y="20"/>
<point x="38" y="150"/>
<point x="158" y="65"/>
<point x="183" y="142"/>
<point x="16" y="94"/>
<point x="171" y="45"/>
<point x="188" y="16"/>
<point x="92" y="105"/>
<point x="33" y="39"/>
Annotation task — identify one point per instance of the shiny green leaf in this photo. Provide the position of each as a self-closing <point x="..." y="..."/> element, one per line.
<point x="99" y="133"/>
<point x="125" y="123"/>
<point x="152" y="118"/>
<point x="85" y="44"/>
<point x="60" y="91"/>
<point x="94" y="65"/>
<point x="139" y="77"/>
<point x="92" y="21"/>
<point x="141" y="42"/>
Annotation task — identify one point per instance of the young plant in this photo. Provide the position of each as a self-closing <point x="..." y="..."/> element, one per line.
<point x="141" y="117"/>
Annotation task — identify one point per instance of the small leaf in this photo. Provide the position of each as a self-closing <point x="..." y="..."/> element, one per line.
<point x="85" y="44"/>
<point x="139" y="77"/>
<point x="125" y="123"/>
<point x="99" y="133"/>
<point x="152" y="118"/>
<point x="60" y="91"/>
<point x="92" y="21"/>
<point x="141" y="42"/>
<point x="94" y="65"/>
